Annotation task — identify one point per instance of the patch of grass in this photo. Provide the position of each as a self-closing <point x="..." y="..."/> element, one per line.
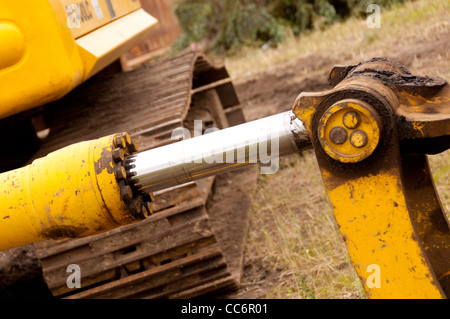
<point x="440" y="169"/>
<point x="352" y="40"/>
<point x="293" y="230"/>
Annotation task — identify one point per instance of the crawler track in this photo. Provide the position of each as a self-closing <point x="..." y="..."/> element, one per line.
<point x="174" y="253"/>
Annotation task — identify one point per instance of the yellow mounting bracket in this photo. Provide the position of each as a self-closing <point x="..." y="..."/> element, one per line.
<point x="371" y="134"/>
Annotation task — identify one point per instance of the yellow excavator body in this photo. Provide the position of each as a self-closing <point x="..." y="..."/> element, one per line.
<point x="47" y="48"/>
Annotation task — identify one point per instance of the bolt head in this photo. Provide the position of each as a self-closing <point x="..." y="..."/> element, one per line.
<point x="147" y="209"/>
<point x="118" y="155"/>
<point x="126" y="137"/>
<point x="136" y="209"/>
<point x="119" y="141"/>
<point x="126" y="193"/>
<point x="351" y="120"/>
<point x="148" y="197"/>
<point x="358" y="138"/>
<point x="133" y="147"/>
<point x="338" y="135"/>
<point x="120" y="173"/>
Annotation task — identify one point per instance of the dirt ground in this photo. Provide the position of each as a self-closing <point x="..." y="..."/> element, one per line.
<point x="272" y="91"/>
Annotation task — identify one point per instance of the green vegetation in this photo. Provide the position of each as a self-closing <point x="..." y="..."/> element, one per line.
<point x="404" y="25"/>
<point x="226" y="26"/>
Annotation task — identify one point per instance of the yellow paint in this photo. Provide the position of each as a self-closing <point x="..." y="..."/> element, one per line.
<point x="50" y="66"/>
<point x="351" y="119"/>
<point x="43" y="61"/>
<point x="375" y="223"/>
<point x="418" y="126"/>
<point x="97" y="13"/>
<point x="358" y="139"/>
<point x="348" y="152"/>
<point x="70" y="192"/>
<point x="305" y="108"/>
<point x="12" y="44"/>
<point x="373" y="217"/>
<point x="100" y="48"/>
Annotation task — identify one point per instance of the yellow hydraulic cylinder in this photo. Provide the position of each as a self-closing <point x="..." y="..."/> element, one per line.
<point x="77" y="191"/>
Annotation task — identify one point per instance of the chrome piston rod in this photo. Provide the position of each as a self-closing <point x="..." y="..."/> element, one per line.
<point x="262" y="141"/>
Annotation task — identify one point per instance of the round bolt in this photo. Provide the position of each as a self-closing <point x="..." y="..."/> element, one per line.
<point x="120" y="173"/>
<point x="351" y="120"/>
<point x="126" y="193"/>
<point x="349" y="130"/>
<point x="147" y="208"/>
<point x="133" y="147"/>
<point x="126" y="137"/>
<point x="135" y="207"/>
<point x="119" y="141"/>
<point x="338" y="135"/>
<point x="118" y="155"/>
<point x="359" y="139"/>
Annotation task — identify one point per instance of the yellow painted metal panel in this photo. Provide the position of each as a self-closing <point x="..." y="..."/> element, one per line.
<point x="50" y="65"/>
<point x="84" y="16"/>
<point x="13" y="39"/>
<point x="103" y="46"/>
<point x="374" y="219"/>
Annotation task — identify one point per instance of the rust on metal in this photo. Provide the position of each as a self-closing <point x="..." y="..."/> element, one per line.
<point x="104" y="162"/>
<point x="358" y="138"/>
<point x="338" y="135"/>
<point x="352" y="119"/>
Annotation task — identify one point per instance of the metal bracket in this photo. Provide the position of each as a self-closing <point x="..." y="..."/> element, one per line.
<point x="371" y="134"/>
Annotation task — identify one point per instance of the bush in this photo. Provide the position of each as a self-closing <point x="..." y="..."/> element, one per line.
<point x="229" y="24"/>
<point x="245" y="25"/>
<point x="226" y="25"/>
<point x="194" y="17"/>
